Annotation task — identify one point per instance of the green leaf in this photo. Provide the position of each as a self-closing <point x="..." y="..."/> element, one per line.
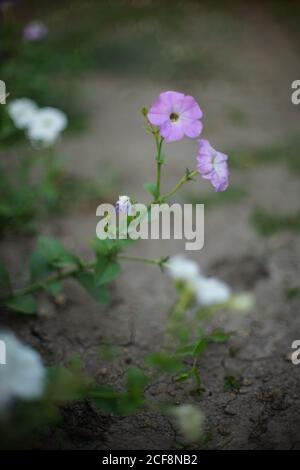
<point x="105" y="273"/>
<point x="109" y="247"/>
<point x="151" y="188"/>
<point x="55" y="253"/>
<point x="23" y="303"/>
<point x="129" y="403"/>
<point x="186" y="351"/>
<point x="55" y="288"/>
<point x="164" y="362"/>
<point x="194" y="349"/>
<point x="184" y="376"/>
<point x="231" y="383"/>
<point x="292" y="292"/>
<point x="200" y="347"/>
<point x="87" y="280"/>
<point x="66" y="384"/>
<point x="136" y="380"/>
<point x="39" y="267"/>
<point x="105" y="398"/>
<point x="219" y="336"/>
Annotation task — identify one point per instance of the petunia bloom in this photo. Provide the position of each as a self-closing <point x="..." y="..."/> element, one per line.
<point x="177" y="115"/>
<point x="23" y="374"/>
<point x="211" y="291"/>
<point x="123" y="205"/>
<point x="207" y="290"/>
<point x="46" y="126"/>
<point x="190" y="421"/>
<point x="212" y="165"/>
<point x="183" y="269"/>
<point x="35" y="31"/>
<point x="22" y="111"/>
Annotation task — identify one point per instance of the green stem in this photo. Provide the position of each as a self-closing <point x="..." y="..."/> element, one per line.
<point x="180" y="183"/>
<point x="156" y="262"/>
<point x="159" y="163"/>
<point x="32" y="288"/>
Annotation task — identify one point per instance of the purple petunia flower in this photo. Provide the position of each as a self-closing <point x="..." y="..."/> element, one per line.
<point x="123" y="205"/>
<point x="212" y="165"/>
<point x="35" y="31"/>
<point x="176" y="115"/>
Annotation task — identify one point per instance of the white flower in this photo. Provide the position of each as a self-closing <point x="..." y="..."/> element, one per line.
<point x="22" y="112"/>
<point x="123" y="204"/>
<point x="190" y="420"/>
<point x="210" y="291"/>
<point x="183" y="269"/>
<point x="23" y="375"/>
<point x="46" y="126"/>
<point x="242" y="302"/>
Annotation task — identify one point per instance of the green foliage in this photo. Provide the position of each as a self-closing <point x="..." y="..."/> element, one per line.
<point x="106" y="271"/>
<point x="25" y="199"/>
<point x="219" y="336"/>
<point x="268" y="224"/>
<point x="55" y="253"/>
<point x="63" y="385"/>
<point x="285" y="152"/>
<point x="51" y="263"/>
<point x="22" y="303"/>
<point x="67" y="384"/>
<point x="236" y="116"/>
<point x="88" y="281"/>
<point x="122" y="403"/>
<point x="18" y="203"/>
<point x="151" y="188"/>
<point x="231" y="383"/>
<point x="164" y="362"/>
<point x="193" y="350"/>
<point x="292" y="292"/>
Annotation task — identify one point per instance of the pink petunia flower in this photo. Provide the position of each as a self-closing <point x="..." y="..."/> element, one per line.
<point x="35" y="31"/>
<point x="212" y="165"/>
<point x="176" y="115"/>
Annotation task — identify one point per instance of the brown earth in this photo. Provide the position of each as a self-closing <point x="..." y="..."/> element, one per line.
<point x="265" y="412"/>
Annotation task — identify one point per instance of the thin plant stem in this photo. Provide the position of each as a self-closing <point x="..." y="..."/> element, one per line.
<point x="180" y="183"/>
<point x="74" y="270"/>
<point x="159" y="162"/>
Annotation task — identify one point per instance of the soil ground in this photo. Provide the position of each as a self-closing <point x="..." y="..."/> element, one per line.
<point x="265" y="413"/>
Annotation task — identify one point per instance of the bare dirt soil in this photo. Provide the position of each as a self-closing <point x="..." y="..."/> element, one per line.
<point x="265" y="413"/>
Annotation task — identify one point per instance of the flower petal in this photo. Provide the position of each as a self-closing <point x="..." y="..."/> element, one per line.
<point x="219" y="179"/>
<point x="192" y="128"/>
<point x="171" y="131"/>
<point x="190" y="108"/>
<point x="173" y="100"/>
<point x="159" y="112"/>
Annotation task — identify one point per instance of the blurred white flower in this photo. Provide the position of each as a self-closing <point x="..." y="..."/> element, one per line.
<point x="46" y="126"/>
<point x="242" y="302"/>
<point x="182" y="268"/>
<point x="23" y="375"/>
<point x="190" y="421"/>
<point x="123" y="204"/>
<point x="22" y="111"/>
<point x="211" y="291"/>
